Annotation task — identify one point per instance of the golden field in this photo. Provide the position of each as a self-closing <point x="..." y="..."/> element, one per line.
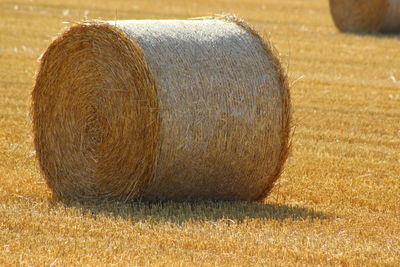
<point x="337" y="203"/>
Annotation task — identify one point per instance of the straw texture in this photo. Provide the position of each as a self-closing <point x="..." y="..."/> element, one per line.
<point x="161" y="110"/>
<point x="366" y="15"/>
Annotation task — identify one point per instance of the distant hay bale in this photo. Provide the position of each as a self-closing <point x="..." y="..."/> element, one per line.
<point x="366" y="15"/>
<point x="161" y="110"/>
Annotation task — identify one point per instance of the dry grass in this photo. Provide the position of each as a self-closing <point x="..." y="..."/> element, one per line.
<point x="336" y="204"/>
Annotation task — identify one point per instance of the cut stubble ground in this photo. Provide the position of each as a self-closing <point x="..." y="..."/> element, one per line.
<point x="336" y="203"/>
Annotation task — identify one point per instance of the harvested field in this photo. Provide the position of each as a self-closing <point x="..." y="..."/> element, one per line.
<point x="337" y="202"/>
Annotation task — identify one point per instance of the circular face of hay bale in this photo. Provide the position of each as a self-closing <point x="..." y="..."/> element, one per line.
<point x="95" y="115"/>
<point x="161" y="110"/>
<point x="358" y="15"/>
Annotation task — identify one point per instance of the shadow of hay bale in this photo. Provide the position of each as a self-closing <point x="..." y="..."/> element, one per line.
<point x="395" y="36"/>
<point x="181" y="212"/>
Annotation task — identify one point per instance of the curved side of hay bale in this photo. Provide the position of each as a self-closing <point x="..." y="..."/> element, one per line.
<point x="285" y="104"/>
<point x="359" y="15"/>
<point x="392" y="18"/>
<point x="161" y="110"/>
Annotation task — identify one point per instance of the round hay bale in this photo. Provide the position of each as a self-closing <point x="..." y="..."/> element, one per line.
<point x="366" y="15"/>
<point x="161" y="110"/>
